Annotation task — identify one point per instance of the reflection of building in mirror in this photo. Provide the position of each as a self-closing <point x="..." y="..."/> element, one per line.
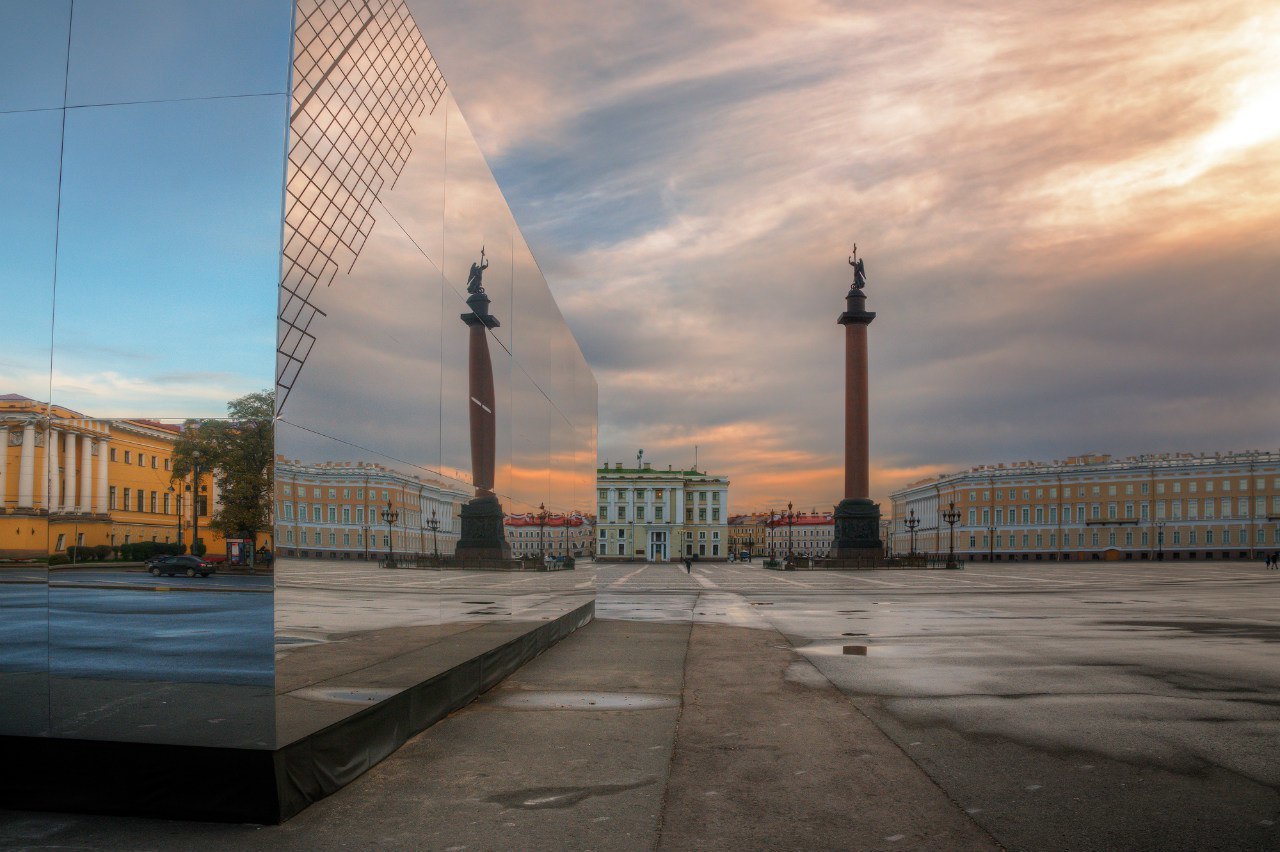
<point x="338" y="510"/>
<point x="87" y="488"/>
<point x="554" y="535"/>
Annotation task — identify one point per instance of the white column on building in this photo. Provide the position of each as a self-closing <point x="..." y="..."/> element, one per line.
<point x="27" y="468"/>
<point x="47" y="474"/>
<point x="69" y="495"/>
<point x="52" y="464"/>
<point x="86" y="475"/>
<point x="102" y="506"/>
<point x="4" y="467"/>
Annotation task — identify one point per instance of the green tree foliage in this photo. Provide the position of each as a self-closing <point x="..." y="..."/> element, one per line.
<point x="240" y="453"/>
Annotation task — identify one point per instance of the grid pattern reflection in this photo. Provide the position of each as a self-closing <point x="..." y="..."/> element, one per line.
<point x="362" y="73"/>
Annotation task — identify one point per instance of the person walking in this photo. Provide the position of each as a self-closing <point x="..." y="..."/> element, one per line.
<point x="688" y="565"/>
<point x="1266" y="558"/>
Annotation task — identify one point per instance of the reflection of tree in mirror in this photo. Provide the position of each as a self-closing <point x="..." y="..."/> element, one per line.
<point x="240" y="450"/>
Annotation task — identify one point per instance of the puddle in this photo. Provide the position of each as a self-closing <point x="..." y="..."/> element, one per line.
<point x="537" y="798"/>
<point x="839" y="649"/>
<point x="345" y="695"/>
<point x="584" y="700"/>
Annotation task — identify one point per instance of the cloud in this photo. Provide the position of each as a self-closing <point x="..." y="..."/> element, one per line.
<point x="1068" y="215"/>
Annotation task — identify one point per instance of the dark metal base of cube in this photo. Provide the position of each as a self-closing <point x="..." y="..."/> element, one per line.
<point x="258" y="785"/>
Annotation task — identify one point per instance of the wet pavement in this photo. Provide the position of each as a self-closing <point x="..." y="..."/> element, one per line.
<point x="1045" y="707"/>
<point x="1064" y="707"/>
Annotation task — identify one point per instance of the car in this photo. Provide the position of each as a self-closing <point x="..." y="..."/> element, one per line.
<point x="189" y="565"/>
<point x="156" y="560"/>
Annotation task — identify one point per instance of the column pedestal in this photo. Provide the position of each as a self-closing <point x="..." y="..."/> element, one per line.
<point x="857" y="530"/>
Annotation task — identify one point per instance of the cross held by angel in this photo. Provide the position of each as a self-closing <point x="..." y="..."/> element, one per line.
<point x="475" y="280"/>
<point x="859" y="269"/>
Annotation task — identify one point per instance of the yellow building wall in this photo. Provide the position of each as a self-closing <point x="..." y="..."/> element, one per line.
<point x="139" y="462"/>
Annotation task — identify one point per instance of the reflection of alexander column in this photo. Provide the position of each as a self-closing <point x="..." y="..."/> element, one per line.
<point x="857" y="527"/>
<point x="482" y="533"/>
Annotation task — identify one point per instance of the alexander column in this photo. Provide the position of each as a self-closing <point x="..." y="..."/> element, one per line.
<point x="482" y="535"/>
<point x="857" y="527"/>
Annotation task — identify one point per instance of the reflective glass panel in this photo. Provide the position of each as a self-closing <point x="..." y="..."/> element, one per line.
<point x="33" y="53"/>
<point x="160" y="616"/>
<point x="125" y="51"/>
<point x="168" y="249"/>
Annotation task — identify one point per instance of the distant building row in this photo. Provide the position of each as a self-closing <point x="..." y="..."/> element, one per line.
<point x="340" y="510"/>
<point x="771" y="534"/>
<point x="1095" y="507"/>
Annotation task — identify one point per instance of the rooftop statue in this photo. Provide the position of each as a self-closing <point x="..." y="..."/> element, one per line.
<point x="859" y="269"/>
<point x="475" y="282"/>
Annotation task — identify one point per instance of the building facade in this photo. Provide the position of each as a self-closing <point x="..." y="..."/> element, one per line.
<point x="749" y="534"/>
<point x="647" y="515"/>
<point x="81" y="481"/>
<point x="558" y="534"/>
<point x="342" y="511"/>
<point x="1094" y="507"/>
<point x="805" y="534"/>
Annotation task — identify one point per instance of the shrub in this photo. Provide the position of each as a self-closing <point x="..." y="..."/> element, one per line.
<point x="199" y="549"/>
<point x="102" y="551"/>
<point x="57" y="559"/>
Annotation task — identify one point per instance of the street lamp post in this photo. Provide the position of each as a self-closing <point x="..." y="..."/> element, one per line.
<point x="433" y="524"/>
<point x="991" y="543"/>
<point x="1160" y="539"/>
<point x="791" y="521"/>
<point x="177" y="492"/>
<point x="912" y="522"/>
<point x="542" y="523"/>
<point x="951" y="516"/>
<point x="772" y="533"/>
<point x="885" y="523"/>
<point x="389" y="517"/>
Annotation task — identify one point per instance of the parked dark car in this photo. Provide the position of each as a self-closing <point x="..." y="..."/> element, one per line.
<point x="189" y="565"/>
<point x="156" y="560"/>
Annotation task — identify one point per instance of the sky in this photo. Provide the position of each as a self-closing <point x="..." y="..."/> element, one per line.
<point x="1068" y="216"/>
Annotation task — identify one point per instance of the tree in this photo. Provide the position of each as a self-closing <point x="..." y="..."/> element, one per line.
<point x="240" y="452"/>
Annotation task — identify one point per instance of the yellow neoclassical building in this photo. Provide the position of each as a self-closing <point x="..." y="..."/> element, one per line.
<point x="67" y="479"/>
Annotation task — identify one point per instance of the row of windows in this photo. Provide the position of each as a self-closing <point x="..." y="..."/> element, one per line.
<point x="1113" y="538"/>
<point x="620" y="514"/>
<point x="141" y="457"/>
<point x="1175" y="487"/>
<point x="642" y="494"/>
<point x="702" y="534"/>
<point x="1222" y="508"/>
<point x="156" y="502"/>
<point x="317" y="538"/>
<point x="315" y="513"/>
<point x="333" y="492"/>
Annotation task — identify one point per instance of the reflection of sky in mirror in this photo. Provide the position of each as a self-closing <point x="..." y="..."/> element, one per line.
<point x="33" y="53"/>
<point x="139" y="50"/>
<point x="29" y="145"/>
<point x="168" y="255"/>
